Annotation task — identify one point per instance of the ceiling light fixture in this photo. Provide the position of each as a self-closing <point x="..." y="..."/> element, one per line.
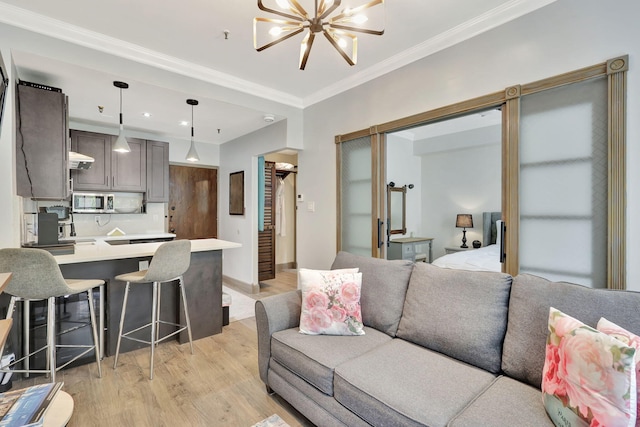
<point x="192" y="155"/>
<point x="335" y="29"/>
<point x="121" y="145"/>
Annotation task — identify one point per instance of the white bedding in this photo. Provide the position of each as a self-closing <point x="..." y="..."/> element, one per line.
<point x="482" y="259"/>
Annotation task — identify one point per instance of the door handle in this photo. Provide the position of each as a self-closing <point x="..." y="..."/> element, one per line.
<point x="380" y="242"/>
<point x="503" y="254"/>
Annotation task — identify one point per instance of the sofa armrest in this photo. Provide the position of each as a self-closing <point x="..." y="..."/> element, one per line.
<point x="273" y="314"/>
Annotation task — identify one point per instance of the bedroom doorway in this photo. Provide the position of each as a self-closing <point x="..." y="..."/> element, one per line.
<point x="446" y="168"/>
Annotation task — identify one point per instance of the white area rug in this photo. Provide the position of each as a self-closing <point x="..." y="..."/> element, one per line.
<point x="273" y="421"/>
<point x="241" y="305"/>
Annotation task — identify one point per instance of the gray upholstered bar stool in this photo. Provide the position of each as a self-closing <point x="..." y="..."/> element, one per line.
<point x="37" y="277"/>
<point x="168" y="264"/>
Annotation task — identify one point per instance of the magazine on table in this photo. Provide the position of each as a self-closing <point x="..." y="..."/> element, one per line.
<point x="26" y="406"/>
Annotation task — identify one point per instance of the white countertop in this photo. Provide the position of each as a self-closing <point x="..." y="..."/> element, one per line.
<point x="102" y="251"/>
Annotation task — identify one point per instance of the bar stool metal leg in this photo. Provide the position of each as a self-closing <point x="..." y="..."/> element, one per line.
<point x="186" y="311"/>
<point x="124" y="309"/>
<point x="26" y="315"/>
<point x="51" y="336"/>
<point x="154" y="325"/>
<point x="92" y="314"/>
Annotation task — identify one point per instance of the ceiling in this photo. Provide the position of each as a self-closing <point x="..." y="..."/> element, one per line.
<point x="188" y="37"/>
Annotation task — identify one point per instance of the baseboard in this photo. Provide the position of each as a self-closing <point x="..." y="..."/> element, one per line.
<point x="286" y="266"/>
<point x="240" y="285"/>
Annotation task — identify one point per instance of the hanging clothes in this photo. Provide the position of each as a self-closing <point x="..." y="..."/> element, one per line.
<point x="281" y="220"/>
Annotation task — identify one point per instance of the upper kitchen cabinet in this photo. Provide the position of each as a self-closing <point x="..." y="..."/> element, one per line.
<point x="42" y="151"/>
<point x="111" y="170"/>
<point x="157" y="172"/>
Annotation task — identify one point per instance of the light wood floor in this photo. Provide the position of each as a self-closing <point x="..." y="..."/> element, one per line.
<point x="219" y="385"/>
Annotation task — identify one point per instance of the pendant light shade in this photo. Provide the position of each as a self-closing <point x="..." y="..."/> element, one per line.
<point x="121" y="145"/>
<point x="192" y="155"/>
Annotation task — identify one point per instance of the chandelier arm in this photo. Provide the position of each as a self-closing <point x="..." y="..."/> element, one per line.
<point x="305" y="55"/>
<point x="356" y="29"/>
<point x="328" y="12"/>
<point x="302" y="17"/>
<point x="338" y="48"/>
<point x="281" y="39"/>
<point x="303" y="13"/>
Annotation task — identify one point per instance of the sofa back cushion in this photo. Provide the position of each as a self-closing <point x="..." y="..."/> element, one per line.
<point x="462" y="314"/>
<point x="531" y="296"/>
<point x="384" y="285"/>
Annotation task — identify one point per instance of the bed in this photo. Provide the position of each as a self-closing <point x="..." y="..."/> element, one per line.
<point x="486" y="258"/>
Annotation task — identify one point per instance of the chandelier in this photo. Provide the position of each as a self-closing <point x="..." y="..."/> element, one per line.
<point x="338" y="29"/>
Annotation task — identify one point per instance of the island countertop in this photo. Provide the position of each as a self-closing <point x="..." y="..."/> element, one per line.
<point x="101" y="250"/>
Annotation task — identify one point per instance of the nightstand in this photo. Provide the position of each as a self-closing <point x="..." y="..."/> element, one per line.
<point x="410" y="248"/>
<point x="454" y="249"/>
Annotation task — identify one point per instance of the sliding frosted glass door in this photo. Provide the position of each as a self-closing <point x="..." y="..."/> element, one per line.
<point x="563" y="183"/>
<point x="357" y="187"/>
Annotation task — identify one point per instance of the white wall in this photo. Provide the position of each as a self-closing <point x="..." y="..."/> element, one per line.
<point x="563" y="36"/>
<point x="459" y="181"/>
<point x="404" y="168"/>
<point x="242" y="155"/>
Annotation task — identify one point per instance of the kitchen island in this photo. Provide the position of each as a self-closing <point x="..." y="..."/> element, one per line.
<point x="203" y="285"/>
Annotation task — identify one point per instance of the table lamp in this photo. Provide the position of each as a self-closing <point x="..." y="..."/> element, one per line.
<point x="464" y="221"/>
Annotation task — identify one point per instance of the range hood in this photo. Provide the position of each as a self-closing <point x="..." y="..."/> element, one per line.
<point x="79" y="161"/>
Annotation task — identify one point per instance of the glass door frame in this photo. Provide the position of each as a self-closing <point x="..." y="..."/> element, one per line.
<point x="509" y="101"/>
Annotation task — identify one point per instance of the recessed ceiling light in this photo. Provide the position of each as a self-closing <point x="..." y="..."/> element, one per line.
<point x="147" y="115"/>
<point x="184" y="123"/>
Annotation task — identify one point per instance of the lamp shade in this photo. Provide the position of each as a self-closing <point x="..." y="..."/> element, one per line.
<point x="121" y="145"/>
<point x="192" y="155"/>
<point x="464" y="221"/>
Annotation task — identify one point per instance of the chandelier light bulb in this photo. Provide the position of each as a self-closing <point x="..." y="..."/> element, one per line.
<point x="342" y="43"/>
<point x="275" y="31"/>
<point x="284" y="4"/>
<point x="359" y="19"/>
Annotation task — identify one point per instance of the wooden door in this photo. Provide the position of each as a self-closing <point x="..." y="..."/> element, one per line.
<point x="267" y="238"/>
<point x="193" y="202"/>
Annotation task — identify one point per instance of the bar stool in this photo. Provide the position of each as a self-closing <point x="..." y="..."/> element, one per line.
<point x="168" y="264"/>
<point x="37" y="277"/>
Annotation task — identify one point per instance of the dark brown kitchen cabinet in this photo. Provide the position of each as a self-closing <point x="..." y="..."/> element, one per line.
<point x="111" y="171"/>
<point x="157" y="172"/>
<point x="42" y="147"/>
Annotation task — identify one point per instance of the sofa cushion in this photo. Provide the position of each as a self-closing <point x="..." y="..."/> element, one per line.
<point x="400" y="383"/>
<point x="531" y="297"/>
<point x="314" y="357"/>
<point x="505" y="403"/>
<point x="462" y="314"/>
<point x="384" y="285"/>
<point x="588" y="375"/>
<point x="330" y="302"/>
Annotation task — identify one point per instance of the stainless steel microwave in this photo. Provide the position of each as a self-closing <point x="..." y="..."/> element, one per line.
<point x="93" y="203"/>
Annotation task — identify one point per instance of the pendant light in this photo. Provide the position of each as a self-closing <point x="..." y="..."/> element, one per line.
<point x="192" y="155"/>
<point x="121" y="145"/>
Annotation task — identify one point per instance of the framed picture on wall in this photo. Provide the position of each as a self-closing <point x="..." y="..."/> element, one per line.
<point x="236" y="193"/>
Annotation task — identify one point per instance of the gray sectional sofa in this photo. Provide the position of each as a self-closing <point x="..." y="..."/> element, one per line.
<point x="441" y="347"/>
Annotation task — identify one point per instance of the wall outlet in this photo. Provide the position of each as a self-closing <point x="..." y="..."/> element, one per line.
<point x="311" y="206"/>
<point x="96" y="219"/>
<point x="143" y="265"/>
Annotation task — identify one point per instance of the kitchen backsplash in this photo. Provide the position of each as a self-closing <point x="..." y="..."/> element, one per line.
<point x="153" y="221"/>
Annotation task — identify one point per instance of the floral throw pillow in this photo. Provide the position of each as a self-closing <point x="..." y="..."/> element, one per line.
<point x="629" y="339"/>
<point x="589" y="378"/>
<point x="330" y="303"/>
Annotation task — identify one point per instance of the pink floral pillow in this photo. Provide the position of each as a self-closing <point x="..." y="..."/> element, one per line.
<point x="330" y="303"/>
<point x="629" y="339"/>
<point x="589" y="378"/>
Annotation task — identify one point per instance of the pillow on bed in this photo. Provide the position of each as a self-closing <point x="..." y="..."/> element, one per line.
<point x="589" y="378"/>
<point x="330" y="303"/>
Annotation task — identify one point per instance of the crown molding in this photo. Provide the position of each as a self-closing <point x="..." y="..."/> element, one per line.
<point x="50" y="27"/>
<point x="469" y="29"/>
